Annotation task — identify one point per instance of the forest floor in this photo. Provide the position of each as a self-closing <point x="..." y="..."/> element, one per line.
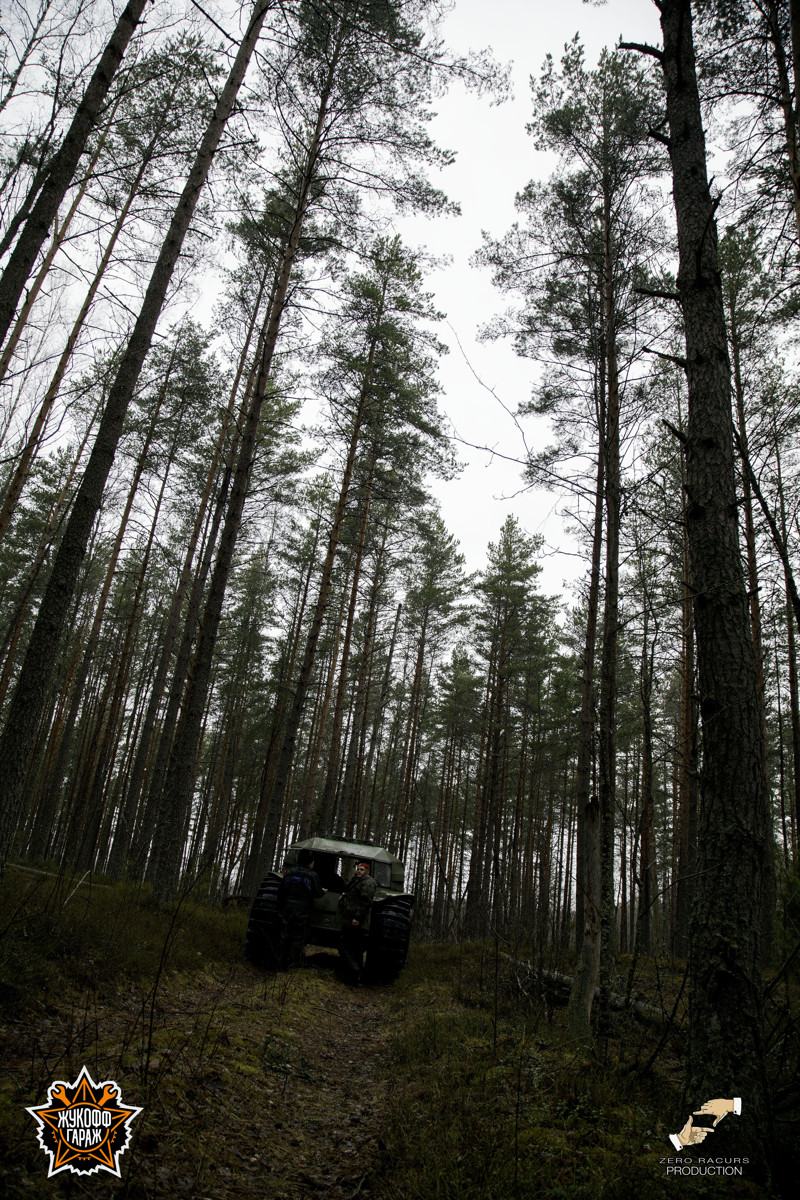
<point x="452" y="1084"/>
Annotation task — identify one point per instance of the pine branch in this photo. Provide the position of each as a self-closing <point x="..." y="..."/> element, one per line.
<point x="673" y="358"/>
<point x="658" y="293"/>
<point x="643" y="48"/>
<point x="675" y="431"/>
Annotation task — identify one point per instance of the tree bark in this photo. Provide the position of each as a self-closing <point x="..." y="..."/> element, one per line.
<point x="326" y="818"/>
<point x="688" y="778"/>
<point x="608" y="669"/>
<point x="587" y="858"/>
<point x="726" y="1054"/>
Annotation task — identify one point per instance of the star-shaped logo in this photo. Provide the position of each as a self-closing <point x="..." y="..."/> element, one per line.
<point x="84" y="1127"/>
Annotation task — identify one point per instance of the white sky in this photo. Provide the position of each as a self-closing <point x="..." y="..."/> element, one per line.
<point x="495" y="159"/>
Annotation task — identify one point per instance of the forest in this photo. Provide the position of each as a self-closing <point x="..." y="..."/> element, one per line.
<point x="232" y="615"/>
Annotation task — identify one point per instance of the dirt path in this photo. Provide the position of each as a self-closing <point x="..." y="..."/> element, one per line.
<point x="282" y="1094"/>
<point x="327" y="1095"/>
<point x="251" y="1084"/>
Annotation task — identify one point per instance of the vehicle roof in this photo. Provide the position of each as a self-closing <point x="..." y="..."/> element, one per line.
<point x="348" y="848"/>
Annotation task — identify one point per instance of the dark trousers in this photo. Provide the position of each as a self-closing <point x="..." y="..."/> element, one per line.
<point x="293" y="939"/>
<point x="351" y="950"/>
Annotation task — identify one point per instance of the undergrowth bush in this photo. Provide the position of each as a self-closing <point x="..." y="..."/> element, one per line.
<point x="61" y="931"/>
<point x="495" y="1101"/>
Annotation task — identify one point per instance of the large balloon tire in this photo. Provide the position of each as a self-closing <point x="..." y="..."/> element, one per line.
<point x="389" y="937"/>
<point x="263" y="937"/>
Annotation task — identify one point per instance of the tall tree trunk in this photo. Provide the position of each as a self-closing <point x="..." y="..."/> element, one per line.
<point x="474" y="906"/>
<point x="59" y="234"/>
<point x="769" y="896"/>
<point x="62" y="751"/>
<point x="56" y="514"/>
<point x="327" y="818"/>
<point x="250" y="877"/>
<point x="608" y="670"/>
<point x="648" y="884"/>
<point x="788" y="93"/>
<point x="109" y="719"/>
<point x="587" y="861"/>
<point x="405" y="796"/>
<point x="791" y="635"/>
<point x="726" y="1053"/>
<point x="319" y="718"/>
<point x="154" y="813"/>
<point x="365" y="817"/>
<point x="33" y="43"/>
<point x="688" y="778"/>
<point x="184" y="751"/>
<point x="147" y="819"/>
<point x="353" y="773"/>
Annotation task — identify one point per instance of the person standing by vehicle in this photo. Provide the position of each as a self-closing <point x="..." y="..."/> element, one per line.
<point x="297" y="891"/>
<point x="354" y="905"/>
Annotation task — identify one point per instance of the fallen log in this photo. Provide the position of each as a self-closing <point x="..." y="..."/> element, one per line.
<point x="554" y="987"/>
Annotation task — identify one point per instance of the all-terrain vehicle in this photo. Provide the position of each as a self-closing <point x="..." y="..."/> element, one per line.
<point x="388" y="926"/>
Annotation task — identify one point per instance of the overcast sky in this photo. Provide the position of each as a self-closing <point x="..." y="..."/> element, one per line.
<point x="495" y="159"/>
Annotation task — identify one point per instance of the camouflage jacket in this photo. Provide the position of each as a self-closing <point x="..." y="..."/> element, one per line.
<point x="356" y="899"/>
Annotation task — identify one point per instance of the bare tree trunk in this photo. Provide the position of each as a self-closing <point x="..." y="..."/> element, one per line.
<point x="184" y="751"/>
<point x="59" y="234"/>
<point x="769" y="898"/>
<point x="608" y="670"/>
<point x="327" y="818"/>
<point x="365" y="817"/>
<point x="587" y="873"/>
<point x="648" y="885"/>
<point x="688" y="785"/>
<point x="109" y="719"/>
<point x="474" y="906"/>
<point x="319" y="719"/>
<point x="50" y="798"/>
<point x="301" y="687"/>
<point x="353" y="773"/>
<point x="726" y="1053"/>
<point x="32" y="44"/>
<point x="250" y="876"/>
<point x="788" y="93"/>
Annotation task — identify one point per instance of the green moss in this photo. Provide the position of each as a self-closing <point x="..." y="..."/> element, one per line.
<point x="66" y="933"/>
<point x="516" y="1112"/>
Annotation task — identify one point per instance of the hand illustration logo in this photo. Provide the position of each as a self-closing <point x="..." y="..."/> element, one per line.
<point x="693" y="1135"/>
<point x="688" y="1136"/>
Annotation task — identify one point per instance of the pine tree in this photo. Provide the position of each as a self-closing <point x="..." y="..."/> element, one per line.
<point x="726" y="1050"/>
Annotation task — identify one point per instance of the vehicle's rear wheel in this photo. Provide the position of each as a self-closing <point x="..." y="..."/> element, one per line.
<point x="389" y="936"/>
<point x="263" y="937"/>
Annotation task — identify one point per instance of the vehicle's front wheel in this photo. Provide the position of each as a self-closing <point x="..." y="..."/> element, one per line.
<point x="389" y="937"/>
